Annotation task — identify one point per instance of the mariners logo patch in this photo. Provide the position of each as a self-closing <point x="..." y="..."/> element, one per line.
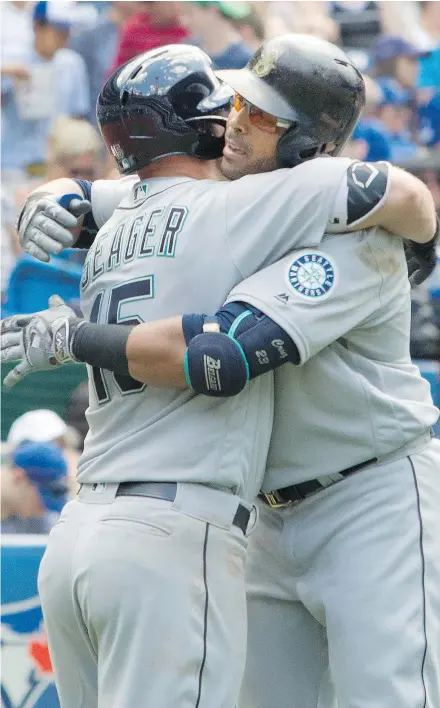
<point x="266" y="62"/>
<point x="312" y="276"/>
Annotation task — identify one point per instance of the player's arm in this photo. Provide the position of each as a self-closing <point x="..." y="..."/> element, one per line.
<point x="215" y="355"/>
<point x="67" y="212"/>
<point x="381" y="194"/>
<point x="285" y="313"/>
<point x="269" y="215"/>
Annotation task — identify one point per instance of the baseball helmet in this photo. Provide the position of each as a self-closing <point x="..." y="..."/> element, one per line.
<point x="163" y="102"/>
<point x="308" y="82"/>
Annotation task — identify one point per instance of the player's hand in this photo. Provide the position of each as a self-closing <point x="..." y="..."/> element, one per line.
<point x="44" y="222"/>
<point x="40" y="342"/>
<point x="421" y="259"/>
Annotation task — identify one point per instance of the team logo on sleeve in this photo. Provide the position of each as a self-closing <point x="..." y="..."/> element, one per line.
<point x="312" y="276"/>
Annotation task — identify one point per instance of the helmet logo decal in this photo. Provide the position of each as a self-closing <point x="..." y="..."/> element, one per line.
<point x="312" y="276"/>
<point x="266" y="62"/>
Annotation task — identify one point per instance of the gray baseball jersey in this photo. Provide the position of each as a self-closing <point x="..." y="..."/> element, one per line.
<point x="180" y="245"/>
<point x="356" y="395"/>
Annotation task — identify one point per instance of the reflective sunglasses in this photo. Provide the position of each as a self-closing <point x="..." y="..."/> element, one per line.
<point x="261" y="119"/>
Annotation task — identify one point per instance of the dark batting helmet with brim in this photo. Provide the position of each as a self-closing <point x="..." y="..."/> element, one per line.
<point x="308" y="82"/>
<point x="164" y="102"/>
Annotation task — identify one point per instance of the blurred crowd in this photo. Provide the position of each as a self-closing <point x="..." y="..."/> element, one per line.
<point x="39" y="463"/>
<point x="56" y="55"/>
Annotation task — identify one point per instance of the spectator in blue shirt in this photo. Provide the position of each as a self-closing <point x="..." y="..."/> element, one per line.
<point x="395" y="113"/>
<point x="34" y="488"/>
<point x="53" y="81"/>
<point x="385" y="134"/>
<point x="398" y="66"/>
<point x="211" y="25"/>
<point x="376" y="139"/>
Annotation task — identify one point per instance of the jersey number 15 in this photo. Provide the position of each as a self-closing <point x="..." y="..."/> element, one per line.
<point x="123" y="299"/>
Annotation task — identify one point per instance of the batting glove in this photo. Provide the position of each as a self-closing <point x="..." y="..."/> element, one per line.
<point x="421" y="258"/>
<point x="40" y="342"/>
<point x="44" y="221"/>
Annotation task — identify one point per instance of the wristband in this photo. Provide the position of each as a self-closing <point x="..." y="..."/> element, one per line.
<point x="104" y="346"/>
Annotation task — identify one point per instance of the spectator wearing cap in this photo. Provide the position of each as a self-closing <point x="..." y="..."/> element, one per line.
<point x="154" y="25"/>
<point x="98" y="45"/>
<point x="417" y="72"/>
<point x="43" y="425"/>
<point x="53" y="81"/>
<point x="394" y="57"/>
<point x="212" y="27"/>
<point x="34" y="488"/>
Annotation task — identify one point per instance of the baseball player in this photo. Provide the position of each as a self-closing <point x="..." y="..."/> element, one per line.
<point x="142" y="583"/>
<point x="322" y="264"/>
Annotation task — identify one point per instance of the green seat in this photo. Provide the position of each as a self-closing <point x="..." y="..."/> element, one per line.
<point x="48" y="389"/>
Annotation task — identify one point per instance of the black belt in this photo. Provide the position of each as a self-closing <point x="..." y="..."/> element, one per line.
<point x="167" y="491"/>
<point x="298" y="492"/>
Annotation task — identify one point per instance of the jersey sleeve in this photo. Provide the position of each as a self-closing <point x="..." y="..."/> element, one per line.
<point x="268" y="215"/>
<point x="362" y="191"/>
<point x="319" y="295"/>
<point x="107" y="194"/>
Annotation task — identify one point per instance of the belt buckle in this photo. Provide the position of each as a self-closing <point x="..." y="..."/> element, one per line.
<point x="274" y="501"/>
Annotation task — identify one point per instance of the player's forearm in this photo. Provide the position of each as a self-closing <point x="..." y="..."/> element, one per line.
<point x="155" y="353"/>
<point x="409" y="210"/>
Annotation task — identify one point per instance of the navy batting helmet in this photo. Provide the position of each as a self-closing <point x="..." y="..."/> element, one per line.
<point x="163" y="102"/>
<point x="311" y="84"/>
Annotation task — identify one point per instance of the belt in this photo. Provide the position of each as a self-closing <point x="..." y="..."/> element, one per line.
<point x="298" y="492"/>
<point x="167" y="491"/>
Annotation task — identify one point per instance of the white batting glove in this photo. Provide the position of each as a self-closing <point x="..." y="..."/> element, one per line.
<point x="44" y="221"/>
<point x="40" y="342"/>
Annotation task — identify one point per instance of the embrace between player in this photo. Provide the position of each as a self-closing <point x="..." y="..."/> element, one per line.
<point x="142" y="582"/>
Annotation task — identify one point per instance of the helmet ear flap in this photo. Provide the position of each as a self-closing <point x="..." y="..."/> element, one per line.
<point x="294" y="149"/>
<point x="287" y="153"/>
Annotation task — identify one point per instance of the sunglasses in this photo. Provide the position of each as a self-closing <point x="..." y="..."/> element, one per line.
<point x="261" y="119"/>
